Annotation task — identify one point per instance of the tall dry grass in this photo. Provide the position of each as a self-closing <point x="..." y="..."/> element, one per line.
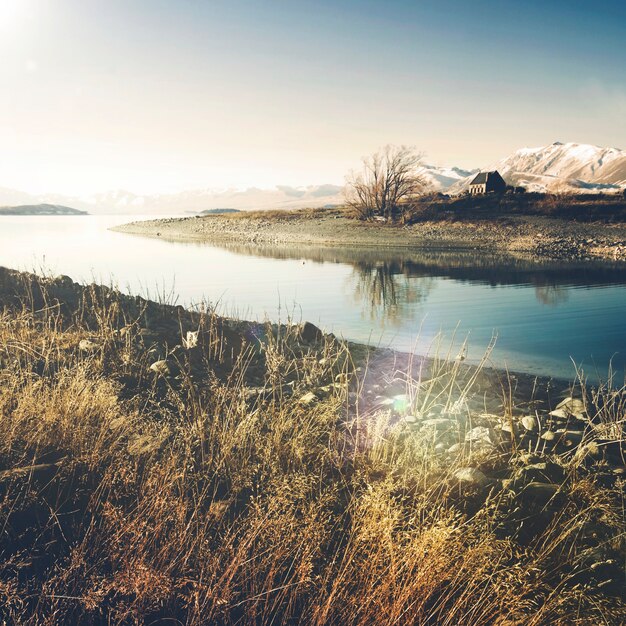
<point x="217" y="495"/>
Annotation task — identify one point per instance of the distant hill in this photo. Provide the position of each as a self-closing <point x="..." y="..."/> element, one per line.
<point x="218" y="211"/>
<point x="555" y="168"/>
<point x="40" y="209"/>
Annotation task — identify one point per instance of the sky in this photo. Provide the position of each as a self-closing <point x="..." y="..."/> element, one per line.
<point x="159" y="96"/>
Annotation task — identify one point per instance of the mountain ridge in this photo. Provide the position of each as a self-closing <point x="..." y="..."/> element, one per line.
<point x="557" y="167"/>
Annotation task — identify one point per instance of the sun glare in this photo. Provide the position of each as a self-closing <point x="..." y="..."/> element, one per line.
<point x="12" y="12"/>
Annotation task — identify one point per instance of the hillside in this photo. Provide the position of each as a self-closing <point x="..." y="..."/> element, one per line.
<point x="561" y="167"/>
<point x="40" y="209"/>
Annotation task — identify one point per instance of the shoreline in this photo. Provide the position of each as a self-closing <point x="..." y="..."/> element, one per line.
<point x="531" y="236"/>
<point x="159" y="431"/>
<point x="525" y="387"/>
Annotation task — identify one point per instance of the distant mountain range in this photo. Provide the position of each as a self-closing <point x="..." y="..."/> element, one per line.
<point x="40" y="209"/>
<point x="558" y="167"/>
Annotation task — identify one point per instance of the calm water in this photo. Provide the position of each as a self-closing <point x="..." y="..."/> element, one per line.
<point x="545" y="315"/>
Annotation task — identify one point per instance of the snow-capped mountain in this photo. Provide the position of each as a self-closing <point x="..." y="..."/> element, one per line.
<point x="194" y="201"/>
<point x="562" y="167"/>
<point x="442" y="178"/>
<point x="558" y="167"/>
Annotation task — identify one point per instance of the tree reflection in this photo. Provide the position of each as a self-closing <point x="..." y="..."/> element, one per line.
<point x="389" y="290"/>
<point x="551" y="295"/>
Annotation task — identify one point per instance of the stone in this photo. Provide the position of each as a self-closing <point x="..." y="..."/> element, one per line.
<point x="539" y="492"/>
<point x="509" y="427"/>
<point x="542" y="472"/>
<point x="438" y="423"/>
<point x="573" y="406"/>
<point x="161" y="367"/>
<point x="87" y="345"/>
<point x="308" y="398"/>
<point x="571" y="436"/>
<point x="458" y="448"/>
<point x="310" y="333"/>
<point x="480" y="435"/>
<point x="471" y="476"/>
<point x="530" y="423"/>
<point x="549" y="435"/>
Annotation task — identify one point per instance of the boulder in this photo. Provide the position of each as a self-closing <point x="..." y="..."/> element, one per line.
<point x="471" y="476"/>
<point x="310" y="333"/>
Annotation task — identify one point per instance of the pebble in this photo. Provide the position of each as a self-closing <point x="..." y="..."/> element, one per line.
<point x="530" y="423"/>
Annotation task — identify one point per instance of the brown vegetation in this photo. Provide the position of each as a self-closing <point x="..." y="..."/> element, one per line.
<point x="387" y="184"/>
<point x="243" y="483"/>
<point x="579" y="207"/>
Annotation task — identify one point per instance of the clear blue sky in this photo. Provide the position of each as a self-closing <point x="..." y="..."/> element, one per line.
<point x="158" y="95"/>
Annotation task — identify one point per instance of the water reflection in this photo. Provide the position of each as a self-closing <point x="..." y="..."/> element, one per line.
<point x="388" y="283"/>
<point x="387" y="291"/>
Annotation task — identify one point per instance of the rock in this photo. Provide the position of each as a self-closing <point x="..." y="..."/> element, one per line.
<point x="539" y="492"/>
<point x="530" y="423"/>
<point x="308" y="398"/>
<point x="471" y="476"/>
<point x="87" y="345"/>
<point x="542" y="472"/>
<point x="161" y="367"/>
<point x="310" y="333"/>
<point x="549" y="435"/>
<point x="572" y="437"/>
<point x="528" y="458"/>
<point x="410" y="419"/>
<point x="480" y="435"/>
<point x="458" y="448"/>
<point x="438" y="423"/>
<point x="509" y="427"/>
<point x="589" y="452"/>
<point x="572" y="406"/>
<point x="382" y="402"/>
<point x="560" y="413"/>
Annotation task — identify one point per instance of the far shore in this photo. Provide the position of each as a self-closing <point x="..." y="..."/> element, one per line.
<point x="535" y="236"/>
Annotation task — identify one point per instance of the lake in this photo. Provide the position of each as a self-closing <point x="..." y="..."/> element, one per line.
<point x="546" y="315"/>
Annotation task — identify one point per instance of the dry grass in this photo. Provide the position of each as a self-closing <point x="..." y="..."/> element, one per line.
<point x="218" y="496"/>
<point x="287" y="214"/>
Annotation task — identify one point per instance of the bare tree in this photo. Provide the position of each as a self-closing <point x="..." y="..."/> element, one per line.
<point x="387" y="184"/>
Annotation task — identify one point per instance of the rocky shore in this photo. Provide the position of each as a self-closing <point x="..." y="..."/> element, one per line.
<point x="159" y="432"/>
<point x="536" y="423"/>
<point x="541" y="237"/>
